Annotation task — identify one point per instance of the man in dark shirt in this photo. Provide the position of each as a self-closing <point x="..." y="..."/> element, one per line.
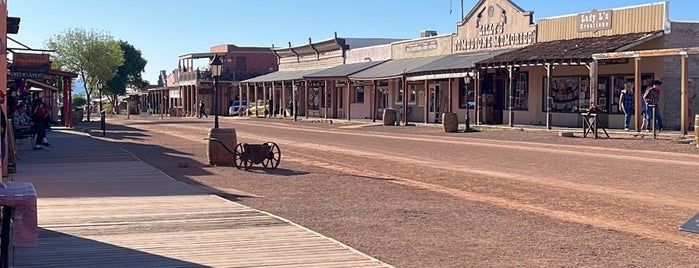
<point x="652" y="99"/>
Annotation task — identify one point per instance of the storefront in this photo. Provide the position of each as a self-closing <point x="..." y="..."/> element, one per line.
<point x="564" y="79"/>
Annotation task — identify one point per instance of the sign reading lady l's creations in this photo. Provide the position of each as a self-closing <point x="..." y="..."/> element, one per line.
<point x="595" y="20"/>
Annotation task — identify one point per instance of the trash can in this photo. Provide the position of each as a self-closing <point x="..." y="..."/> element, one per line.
<point x="450" y="122"/>
<point x="217" y="154"/>
<point x="389" y="117"/>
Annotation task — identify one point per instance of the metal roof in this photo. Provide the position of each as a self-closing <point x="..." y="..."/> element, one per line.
<point x="393" y="68"/>
<point x="577" y="50"/>
<point x="281" y="76"/>
<point x="343" y="70"/>
<point x="458" y="62"/>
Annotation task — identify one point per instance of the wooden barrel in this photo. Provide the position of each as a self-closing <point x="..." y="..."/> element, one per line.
<point x="696" y="129"/>
<point x="450" y="122"/>
<point x="218" y="155"/>
<point x="389" y="117"/>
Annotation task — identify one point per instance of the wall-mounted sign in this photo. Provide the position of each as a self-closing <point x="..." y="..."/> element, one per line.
<point x="494" y="41"/>
<point x="595" y="20"/>
<point x="422" y="46"/>
<point x="28" y="65"/>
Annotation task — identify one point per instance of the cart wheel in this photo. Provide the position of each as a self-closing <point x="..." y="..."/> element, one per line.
<point x="238" y="158"/>
<point x="275" y="155"/>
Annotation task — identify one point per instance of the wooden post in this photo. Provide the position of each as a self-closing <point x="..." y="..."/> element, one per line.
<point x="684" y="106"/>
<point x="427" y="103"/>
<point x="637" y="94"/>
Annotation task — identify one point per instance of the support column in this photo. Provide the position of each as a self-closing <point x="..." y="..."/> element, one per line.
<point x="348" y="99"/>
<point x="405" y="100"/>
<point x="637" y="95"/>
<point x="307" y="102"/>
<point x="325" y="98"/>
<point x="374" y="101"/>
<point x="511" y="120"/>
<point x="547" y="91"/>
<point x="684" y="113"/>
<point x="427" y="101"/>
<point x="477" y="97"/>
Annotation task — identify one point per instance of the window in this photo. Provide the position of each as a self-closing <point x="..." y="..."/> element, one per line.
<point x="569" y="94"/>
<point x="466" y="94"/>
<point x="421" y="98"/>
<point x="399" y="92"/>
<point x="412" y="98"/>
<point x="313" y="99"/>
<point x="359" y="95"/>
<point x="241" y="64"/>
<point x="521" y="92"/>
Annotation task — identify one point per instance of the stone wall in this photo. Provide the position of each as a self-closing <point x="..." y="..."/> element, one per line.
<point x="683" y="34"/>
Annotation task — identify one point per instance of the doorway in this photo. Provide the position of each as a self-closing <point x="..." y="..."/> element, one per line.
<point x="435" y="106"/>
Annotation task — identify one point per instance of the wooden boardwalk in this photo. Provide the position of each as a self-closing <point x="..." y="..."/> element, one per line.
<point x="133" y="215"/>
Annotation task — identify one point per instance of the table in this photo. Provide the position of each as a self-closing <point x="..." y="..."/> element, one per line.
<point x="591" y="124"/>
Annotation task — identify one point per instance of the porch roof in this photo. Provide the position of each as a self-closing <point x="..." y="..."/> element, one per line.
<point x="281" y="76"/>
<point x="457" y="62"/>
<point x="572" y="51"/>
<point x="393" y="68"/>
<point x="342" y="71"/>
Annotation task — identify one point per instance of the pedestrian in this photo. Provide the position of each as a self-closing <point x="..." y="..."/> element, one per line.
<point x="626" y="104"/>
<point x="202" y="110"/>
<point x="652" y="99"/>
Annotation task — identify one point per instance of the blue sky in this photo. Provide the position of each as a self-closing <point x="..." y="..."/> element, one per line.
<point x="165" y="29"/>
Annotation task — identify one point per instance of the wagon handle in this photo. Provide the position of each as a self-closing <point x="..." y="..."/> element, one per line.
<point x="222" y="144"/>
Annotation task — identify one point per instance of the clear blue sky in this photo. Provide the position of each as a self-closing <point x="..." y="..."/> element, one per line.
<point x="165" y="29"/>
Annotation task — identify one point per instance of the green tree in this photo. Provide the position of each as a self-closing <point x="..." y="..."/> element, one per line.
<point x="128" y="74"/>
<point x="79" y="100"/>
<point x="94" y="56"/>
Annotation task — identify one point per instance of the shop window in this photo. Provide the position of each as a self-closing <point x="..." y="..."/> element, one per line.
<point x="421" y="98"/>
<point x="466" y="93"/>
<point x="569" y="94"/>
<point x="399" y="92"/>
<point x="314" y="99"/>
<point x="358" y="95"/>
<point x="521" y="92"/>
<point x="412" y="97"/>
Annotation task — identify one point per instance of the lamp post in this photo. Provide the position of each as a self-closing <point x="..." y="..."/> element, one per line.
<point x="215" y="65"/>
<point x="102" y="113"/>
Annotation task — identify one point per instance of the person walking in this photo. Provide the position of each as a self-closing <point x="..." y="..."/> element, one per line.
<point x="626" y="104"/>
<point x="202" y="110"/>
<point x="652" y="99"/>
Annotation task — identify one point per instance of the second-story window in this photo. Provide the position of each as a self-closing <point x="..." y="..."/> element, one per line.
<point x="241" y="64"/>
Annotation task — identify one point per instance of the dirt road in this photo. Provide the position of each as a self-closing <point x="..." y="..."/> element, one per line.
<point x="415" y="197"/>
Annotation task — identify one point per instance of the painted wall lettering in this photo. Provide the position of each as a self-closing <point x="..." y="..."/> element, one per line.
<point x="594" y="21"/>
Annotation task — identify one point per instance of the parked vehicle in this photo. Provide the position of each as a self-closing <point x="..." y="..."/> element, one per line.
<point x="236" y="109"/>
<point x="261" y="106"/>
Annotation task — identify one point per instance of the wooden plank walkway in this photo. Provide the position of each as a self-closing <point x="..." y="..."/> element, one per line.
<point x="126" y="213"/>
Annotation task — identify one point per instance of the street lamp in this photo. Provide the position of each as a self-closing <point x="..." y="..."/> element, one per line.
<point x="102" y="113"/>
<point x="215" y="66"/>
<point x="467" y="81"/>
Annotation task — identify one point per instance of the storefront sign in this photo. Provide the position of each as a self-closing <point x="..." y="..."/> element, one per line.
<point x="494" y="41"/>
<point x="174" y="93"/>
<point x="594" y="21"/>
<point x="27" y="65"/>
<point x="423" y="46"/>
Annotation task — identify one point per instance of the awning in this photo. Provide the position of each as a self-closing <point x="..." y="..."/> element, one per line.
<point x="392" y="69"/>
<point x="281" y="76"/>
<point x="342" y="71"/>
<point x="451" y="66"/>
<point x="572" y="51"/>
<point x="42" y="85"/>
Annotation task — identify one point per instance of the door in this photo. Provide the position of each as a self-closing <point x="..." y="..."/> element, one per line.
<point x="435" y="104"/>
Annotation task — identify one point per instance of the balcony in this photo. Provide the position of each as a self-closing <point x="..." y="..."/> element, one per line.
<point x="196" y="77"/>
